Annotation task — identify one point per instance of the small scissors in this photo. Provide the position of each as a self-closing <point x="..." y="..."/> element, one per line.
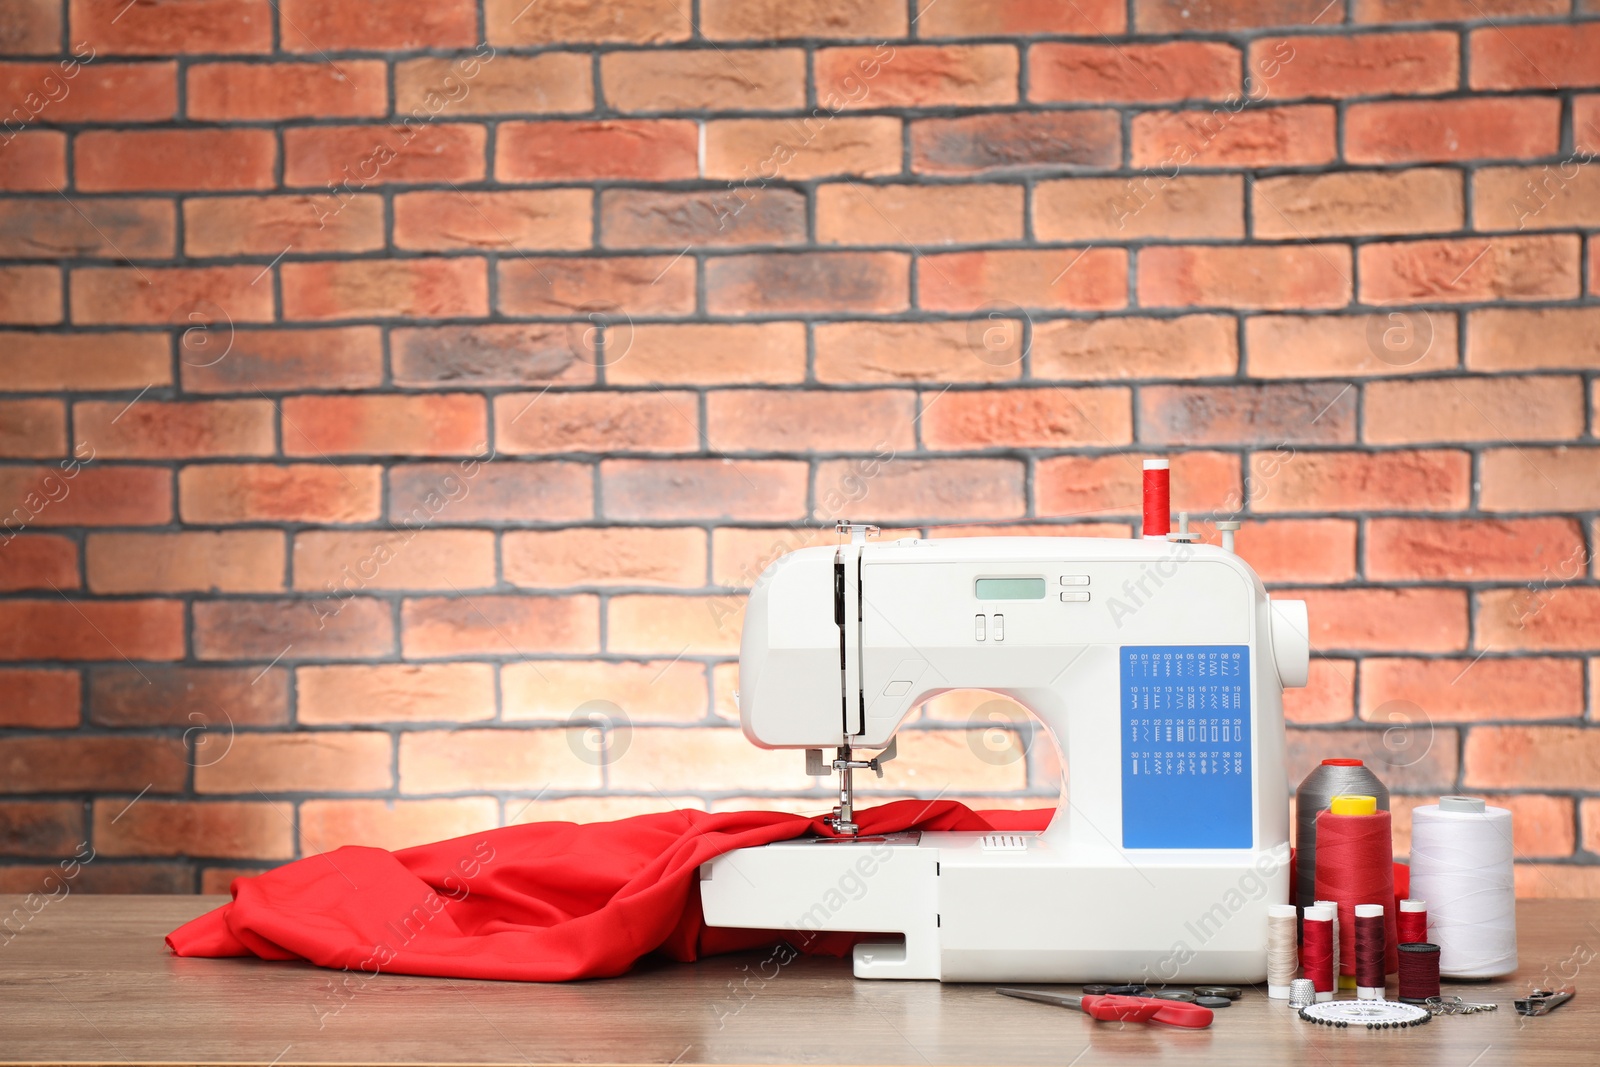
<point x="1108" y="1008"/>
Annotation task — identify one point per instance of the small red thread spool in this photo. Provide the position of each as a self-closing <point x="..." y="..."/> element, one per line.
<point x="1412" y="922"/>
<point x="1419" y="972"/>
<point x="1316" y="950"/>
<point x="1157" y="498"/>
<point x="1370" y="948"/>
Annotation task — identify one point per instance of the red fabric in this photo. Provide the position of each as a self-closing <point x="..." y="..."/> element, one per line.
<point x="543" y="902"/>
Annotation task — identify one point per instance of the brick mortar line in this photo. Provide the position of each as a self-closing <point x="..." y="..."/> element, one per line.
<point x="1109" y="449"/>
<point x="490" y="259"/>
<point x="1209" y="383"/>
<point x="829" y="318"/>
<point x="1021" y="174"/>
<point x="910" y="114"/>
<point x="1130" y="35"/>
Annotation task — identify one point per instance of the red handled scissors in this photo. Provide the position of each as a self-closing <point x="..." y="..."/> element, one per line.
<point x="1109" y="1008"/>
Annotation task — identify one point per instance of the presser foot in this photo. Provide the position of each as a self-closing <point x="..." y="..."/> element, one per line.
<point x="843" y="818"/>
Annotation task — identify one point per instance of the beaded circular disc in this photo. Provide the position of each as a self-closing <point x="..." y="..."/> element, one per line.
<point x="1367" y="1014"/>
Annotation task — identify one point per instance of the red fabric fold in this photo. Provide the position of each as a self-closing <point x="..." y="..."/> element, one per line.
<point x="542" y="902"/>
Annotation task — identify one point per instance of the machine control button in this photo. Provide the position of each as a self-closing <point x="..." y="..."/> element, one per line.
<point x="978" y="627"/>
<point x="897" y="689"/>
<point x="1078" y="595"/>
<point x="999" y="627"/>
<point x="1074" y="579"/>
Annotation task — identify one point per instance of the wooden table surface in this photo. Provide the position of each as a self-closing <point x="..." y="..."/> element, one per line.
<point x="88" y="980"/>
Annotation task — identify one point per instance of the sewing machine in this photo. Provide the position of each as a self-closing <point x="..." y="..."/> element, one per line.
<point x="1156" y="665"/>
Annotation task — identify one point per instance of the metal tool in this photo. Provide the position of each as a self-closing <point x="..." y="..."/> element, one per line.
<point x="1100" y="640"/>
<point x="1449" y="1005"/>
<point x="1107" y="1008"/>
<point x="1544" y="1001"/>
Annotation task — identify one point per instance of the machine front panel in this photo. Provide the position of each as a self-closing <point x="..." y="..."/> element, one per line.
<point x="1186" y="741"/>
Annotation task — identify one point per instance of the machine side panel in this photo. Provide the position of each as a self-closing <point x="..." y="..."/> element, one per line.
<point x="789" y="670"/>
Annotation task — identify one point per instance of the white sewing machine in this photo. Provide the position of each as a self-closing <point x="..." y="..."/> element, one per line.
<point x="1156" y="665"/>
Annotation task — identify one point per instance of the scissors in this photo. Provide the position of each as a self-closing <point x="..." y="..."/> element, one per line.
<point x="1108" y="1008"/>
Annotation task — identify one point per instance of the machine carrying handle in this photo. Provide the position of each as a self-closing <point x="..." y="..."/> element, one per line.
<point x="1147" y="1009"/>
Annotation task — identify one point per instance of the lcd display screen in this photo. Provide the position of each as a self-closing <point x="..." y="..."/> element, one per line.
<point x="1010" y="588"/>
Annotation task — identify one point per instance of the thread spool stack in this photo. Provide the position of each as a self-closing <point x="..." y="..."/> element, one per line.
<point x="1355" y="865"/>
<point x="1334" y="777"/>
<point x="1461" y="863"/>
<point x="1280" y="949"/>
<point x="1371" y="948"/>
<point x="1317" y="949"/>
<point x="1412" y="922"/>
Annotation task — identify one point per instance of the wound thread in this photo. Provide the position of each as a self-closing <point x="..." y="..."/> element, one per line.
<point x="1419" y="972"/>
<point x="1461" y="864"/>
<point x="1371" y="945"/>
<point x="1333" y="910"/>
<point x="1355" y="866"/>
<point x="1280" y="949"/>
<point x="1411" y="925"/>
<point x="1157" y="498"/>
<point x="1334" y="777"/>
<point x="1316" y="950"/>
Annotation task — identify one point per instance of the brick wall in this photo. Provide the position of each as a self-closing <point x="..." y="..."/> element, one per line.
<point x="391" y="385"/>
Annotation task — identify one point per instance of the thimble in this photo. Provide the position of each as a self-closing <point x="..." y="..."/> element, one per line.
<point x="1301" y="993"/>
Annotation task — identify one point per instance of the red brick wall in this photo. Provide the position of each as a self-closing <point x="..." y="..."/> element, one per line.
<point x="388" y="383"/>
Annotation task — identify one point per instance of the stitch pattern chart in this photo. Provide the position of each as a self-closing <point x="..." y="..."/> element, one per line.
<point x="1186" y="746"/>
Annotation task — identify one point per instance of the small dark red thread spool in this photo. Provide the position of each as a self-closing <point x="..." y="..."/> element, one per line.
<point x="1370" y="947"/>
<point x="1316" y="950"/>
<point x="1419" y="972"/>
<point x="1412" y="922"/>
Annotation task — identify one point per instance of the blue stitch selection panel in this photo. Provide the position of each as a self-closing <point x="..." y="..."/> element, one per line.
<point x="1186" y="777"/>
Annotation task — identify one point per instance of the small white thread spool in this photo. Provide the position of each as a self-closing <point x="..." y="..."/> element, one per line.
<point x="1282" y="958"/>
<point x="1368" y="911"/>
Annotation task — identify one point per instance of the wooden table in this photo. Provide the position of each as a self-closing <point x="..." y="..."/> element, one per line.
<point x="88" y="981"/>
